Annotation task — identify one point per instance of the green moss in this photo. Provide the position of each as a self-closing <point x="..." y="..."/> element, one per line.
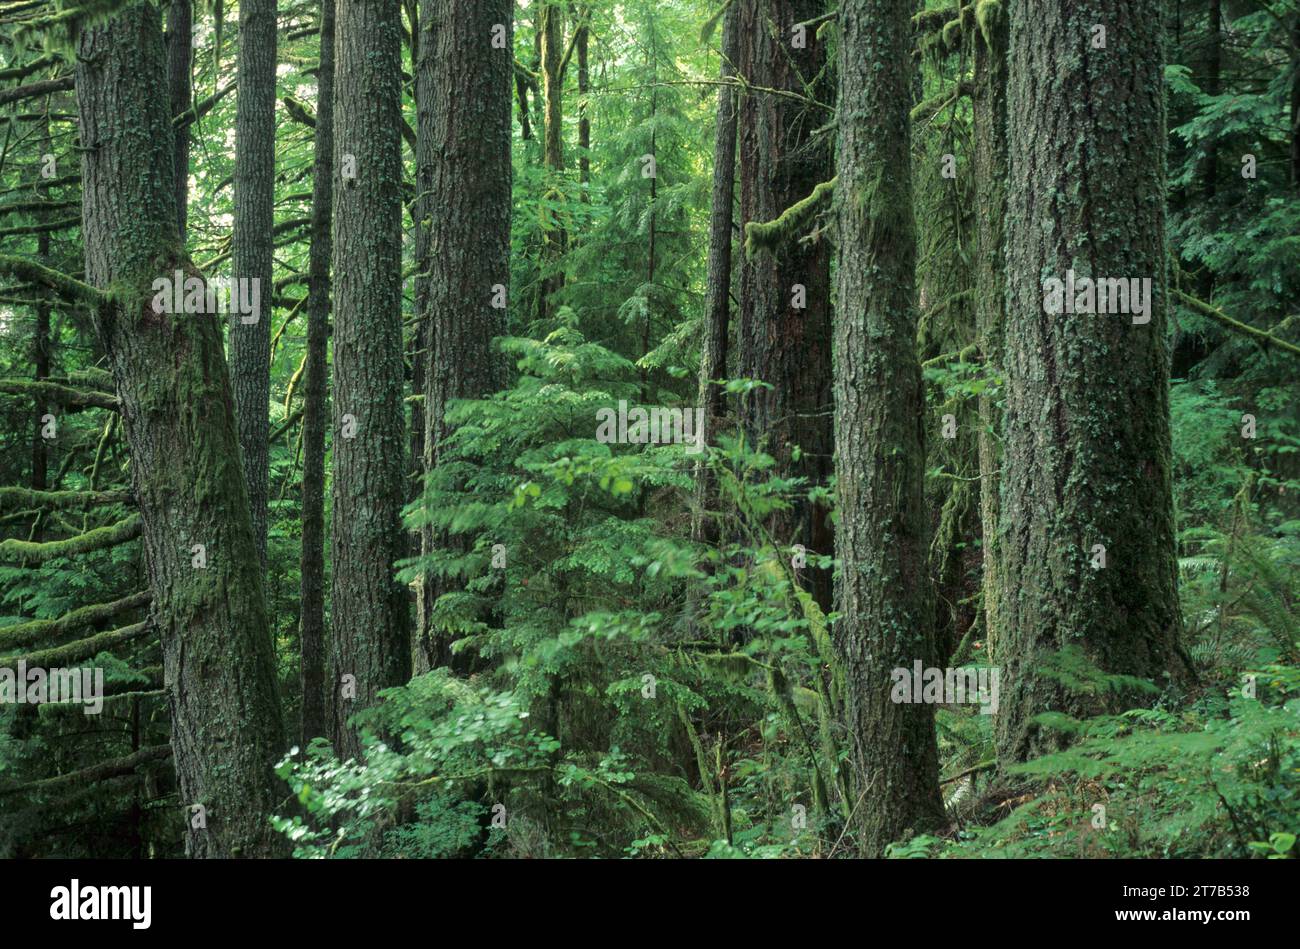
<point x="772" y="235"/>
<point x="988" y="15"/>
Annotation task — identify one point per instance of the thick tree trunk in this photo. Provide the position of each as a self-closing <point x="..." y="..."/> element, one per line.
<point x="171" y="381"/>
<point x="784" y="322"/>
<point x="470" y="249"/>
<point x="1086" y="434"/>
<point x="250" y="343"/>
<point x="370" y="634"/>
<point x="884" y="594"/>
<point x="990" y="169"/>
<point x="311" y="630"/>
<point x="717" y="313"/>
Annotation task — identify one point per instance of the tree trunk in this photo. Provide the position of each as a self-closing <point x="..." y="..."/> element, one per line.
<point x="784" y="326"/>
<point x="717" y="313"/>
<point x="171" y="381"/>
<point x="884" y="592"/>
<point x="470" y="249"/>
<point x="180" y="86"/>
<point x="551" y="32"/>
<point x="370" y="638"/>
<point x="311" y="630"/>
<point x="250" y="343"/>
<point x="581" y="41"/>
<point x="41" y="345"/>
<point x="1086" y="433"/>
<point x="989" y="163"/>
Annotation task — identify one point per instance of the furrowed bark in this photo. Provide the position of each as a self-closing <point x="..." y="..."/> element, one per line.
<point x="884" y="594"/>
<point x="470" y="248"/>
<point x="784" y="325"/>
<point x="370" y="636"/>
<point x="170" y="374"/>
<point x="1086" y="438"/>
<point x="250" y="343"/>
<point x="311" y="629"/>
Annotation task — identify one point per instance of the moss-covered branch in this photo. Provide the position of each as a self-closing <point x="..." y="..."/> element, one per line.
<point x="932" y="21"/>
<point x="80" y="650"/>
<point x="71" y="289"/>
<point x="770" y="235"/>
<point x="98" y="772"/>
<point x="17" y="499"/>
<point x="34" y="89"/>
<point x="1260" y="336"/>
<point x="24" y="635"/>
<point x="22" y="72"/>
<point x="98" y="539"/>
<point x="63" y="395"/>
<point x="931" y="107"/>
<point x="299" y="112"/>
<point x="45" y="227"/>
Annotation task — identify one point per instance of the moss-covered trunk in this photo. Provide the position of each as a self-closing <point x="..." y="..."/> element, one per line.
<point x="884" y="594"/>
<point x="170" y="374"/>
<point x="1086" y="461"/>
<point x="370" y="646"/>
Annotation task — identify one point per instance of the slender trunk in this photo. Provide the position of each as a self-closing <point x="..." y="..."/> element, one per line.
<point x="311" y="630"/>
<point x="180" y="86"/>
<point x="41" y="344"/>
<point x="990" y="170"/>
<point x="1086" y="466"/>
<point x="426" y="155"/>
<point x="717" y="313"/>
<point x="581" y="41"/>
<point x="1295" y="103"/>
<point x="551" y="31"/>
<point x="521" y="92"/>
<point x="884" y="594"/>
<point x="370" y="645"/>
<point x="250" y="342"/>
<point x="170" y="375"/>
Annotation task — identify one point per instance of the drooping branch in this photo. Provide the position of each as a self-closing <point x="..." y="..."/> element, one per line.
<point x="22" y="72"/>
<point x="64" y="395"/>
<point x="98" y="772"/>
<point x="202" y="107"/>
<point x="45" y="227"/>
<point x="34" y="89"/>
<point x="928" y="109"/>
<point x="16" y="498"/>
<point x="71" y="289"/>
<point x="768" y="235"/>
<point x="23" y="635"/>
<point x="81" y="649"/>
<point x="98" y="539"/>
<point x="1260" y="336"/>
